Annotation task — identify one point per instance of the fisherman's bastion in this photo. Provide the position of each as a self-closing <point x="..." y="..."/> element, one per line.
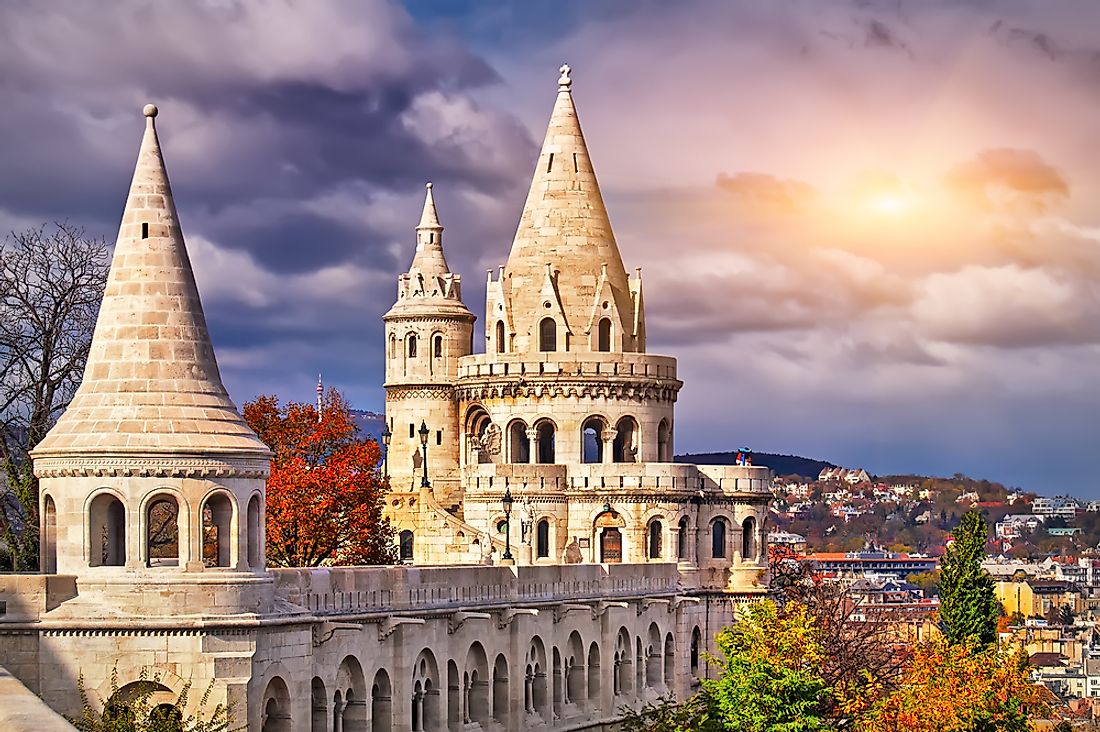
<point x="557" y="565"/>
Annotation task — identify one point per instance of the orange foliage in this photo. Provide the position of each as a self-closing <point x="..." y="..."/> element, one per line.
<point x="324" y="496"/>
<point x="952" y="688"/>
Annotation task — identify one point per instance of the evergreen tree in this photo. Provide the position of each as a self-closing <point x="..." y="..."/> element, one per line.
<point x="968" y="607"/>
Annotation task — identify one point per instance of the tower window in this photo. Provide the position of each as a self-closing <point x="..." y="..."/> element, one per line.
<point x="439" y="437"/>
<point x="550" y="163"/>
<point x="145" y="231"/>
<point x="500" y="336"/>
<point x="604" y="335"/>
<point x="412" y="346"/>
<point x="576" y="165"/>
<point x="437" y="346"/>
<point x="412" y="431"/>
<point x="548" y="335"/>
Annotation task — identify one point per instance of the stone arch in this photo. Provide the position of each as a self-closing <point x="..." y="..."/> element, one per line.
<point x="545" y="431"/>
<point x="393" y="346"/>
<point x="255" y="533"/>
<point x="477" y="424"/>
<point x="542" y="538"/>
<point x="664" y="442"/>
<point x="603" y="335"/>
<point x="164" y="519"/>
<point x="351" y="683"/>
<point x="748" y="540"/>
<point x="410" y="345"/>
<point x="719" y="530"/>
<point x="696" y="640"/>
<point x="654" y="538"/>
<point x="502" y="345"/>
<point x="548" y="335"/>
<point x="519" y="445"/>
<point x="454" y="698"/>
<point x="639" y="665"/>
<point x="106" y="530"/>
<point x="500" y="691"/>
<point x="318" y="704"/>
<point x="654" y="667"/>
<point x="594" y="677"/>
<point x="475" y="679"/>
<point x="425" y="692"/>
<point x="625" y="447"/>
<point x="276" y="707"/>
<point x="437" y="344"/>
<point x="682" y="529"/>
<point x="381" y="702"/>
<point x="218" y="518"/>
<point x="592" y="432"/>
<point x="670" y="660"/>
<point x="534" y="691"/>
<point x="622" y="676"/>
<point x="576" y="690"/>
<point x="405" y="545"/>
<point x="559" y="691"/>
<point x="49" y="535"/>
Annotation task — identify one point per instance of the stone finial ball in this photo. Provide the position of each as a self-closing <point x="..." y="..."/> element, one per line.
<point x="150" y="110"/>
<point x="428" y="185"/>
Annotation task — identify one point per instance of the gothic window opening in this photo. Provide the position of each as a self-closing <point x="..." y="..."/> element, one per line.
<point x="542" y="539"/>
<point x="626" y="441"/>
<point x="655" y="530"/>
<point x="500" y="336"/>
<point x="412" y="345"/>
<point x="381" y="705"/>
<point x="519" y="447"/>
<point x="49" y="536"/>
<point x="162" y="532"/>
<point x="217" y="539"/>
<point x="592" y="440"/>
<point x="603" y="339"/>
<point x="107" y="532"/>
<point x="548" y="335"/>
<point x="748" y="540"/>
<point x="681" y="540"/>
<point x="405" y="546"/>
<point x="695" y="637"/>
<point x="437" y="346"/>
<point x="255" y="535"/>
<point x="664" y="442"/>
<point x="545" y="440"/>
<point x="718" y="539"/>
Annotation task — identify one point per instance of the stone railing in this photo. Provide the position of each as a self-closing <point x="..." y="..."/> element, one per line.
<point x="25" y="597"/>
<point x="623" y="365"/>
<point x="620" y="476"/>
<point x="383" y="590"/>
<point x="22" y="711"/>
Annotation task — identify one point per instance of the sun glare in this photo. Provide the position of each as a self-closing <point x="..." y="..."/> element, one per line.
<point x="889" y="204"/>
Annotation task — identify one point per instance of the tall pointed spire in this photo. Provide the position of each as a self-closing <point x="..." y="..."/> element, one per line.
<point x="564" y="221"/>
<point x="429" y="260"/>
<point x="151" y="384"/>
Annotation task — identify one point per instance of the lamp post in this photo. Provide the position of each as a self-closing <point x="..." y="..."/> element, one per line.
<point x="423" y="432"/>
<point x="507" y="503"/>
<point x="386" y="435"/>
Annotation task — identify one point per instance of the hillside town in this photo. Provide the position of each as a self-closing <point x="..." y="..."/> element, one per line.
<point x="883" y="537"/>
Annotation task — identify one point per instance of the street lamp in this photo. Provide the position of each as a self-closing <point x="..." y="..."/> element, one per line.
<point x="386" y="435"/>
<point x="507" y="503"/>
<point x="424" y="444"/>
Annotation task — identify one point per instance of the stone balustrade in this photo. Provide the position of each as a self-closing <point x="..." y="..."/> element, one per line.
<point x="384" y="590"/>
<point x="625" y="365"/>
<point x="724" y="479"/>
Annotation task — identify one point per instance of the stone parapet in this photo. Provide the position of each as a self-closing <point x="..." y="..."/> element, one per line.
<point x="26" y="597"/>
<point x="488" y="365"/>
<point x="344" y="590"/>
<point x="22" y="711"/>
<point x="676" y="477"/>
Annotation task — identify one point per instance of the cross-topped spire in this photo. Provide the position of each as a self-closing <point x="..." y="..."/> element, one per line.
<point x="564" y="82"/>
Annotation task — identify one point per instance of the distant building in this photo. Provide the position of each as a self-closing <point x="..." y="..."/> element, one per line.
<point x="844" y="475"/>
<point x="883" y="563"/>
<point x="1065" y="530"/>
<point x="1033" y="597"/>
<point x="1016" y="524"/>
<point x="1062" y="506"/>
<point x="796" y="542"/>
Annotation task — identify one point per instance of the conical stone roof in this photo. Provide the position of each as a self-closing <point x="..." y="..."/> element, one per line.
<point x="151" y="385"/>
<point x="564" y="223"/>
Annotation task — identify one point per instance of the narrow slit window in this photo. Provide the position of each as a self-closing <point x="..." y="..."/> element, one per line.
<point x="550" y="163"/>
<point x="576" y="165"/>
<point x="439" y="437"/>
<point x="412" y="430"/>
<point x="145" y="230"/>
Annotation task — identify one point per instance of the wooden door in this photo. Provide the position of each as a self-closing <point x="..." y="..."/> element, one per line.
<point x="611" y="546"/>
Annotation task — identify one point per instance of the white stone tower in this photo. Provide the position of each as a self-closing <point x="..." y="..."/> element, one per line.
<point x="151" y="482"/>
<point x="427" y="330"/>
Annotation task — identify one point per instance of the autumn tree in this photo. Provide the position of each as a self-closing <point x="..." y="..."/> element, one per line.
<point x="325" y="494"/>
<point x="51" y="285"/>
<point x="968" y="606"/>
<point x="959" y="687"/>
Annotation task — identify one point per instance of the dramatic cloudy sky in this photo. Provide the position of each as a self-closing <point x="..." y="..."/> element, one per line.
<point x="869" y="230"/>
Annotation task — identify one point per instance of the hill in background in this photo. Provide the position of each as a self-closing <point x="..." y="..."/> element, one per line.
<point x="780" y="464"/>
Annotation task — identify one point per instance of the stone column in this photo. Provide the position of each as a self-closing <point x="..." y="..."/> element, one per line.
<point x="607" y="436"/>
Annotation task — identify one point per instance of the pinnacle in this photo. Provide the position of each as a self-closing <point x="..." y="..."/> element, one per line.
<point x="429" y="219"/>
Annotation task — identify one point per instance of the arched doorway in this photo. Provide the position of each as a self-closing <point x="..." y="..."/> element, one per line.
<point x="162" y="532"/>
<point x="217" y="536"/>
<point x="107" y="531"/>
<point x="49" y="536"/>
<point x="748" y="540"/>
<point x="592" y="440"/>
<point x="544" y="431"/>
<point x="626" y="440"/>
<point x="519" y="446"/>
<point x="608" y="526"/>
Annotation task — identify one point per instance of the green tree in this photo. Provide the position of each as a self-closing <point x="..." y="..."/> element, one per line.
<point x="771" y="680"/>
<point x="968" y="607"/>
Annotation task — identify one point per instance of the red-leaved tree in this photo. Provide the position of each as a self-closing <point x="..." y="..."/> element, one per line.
<point x="325" y="494"/>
